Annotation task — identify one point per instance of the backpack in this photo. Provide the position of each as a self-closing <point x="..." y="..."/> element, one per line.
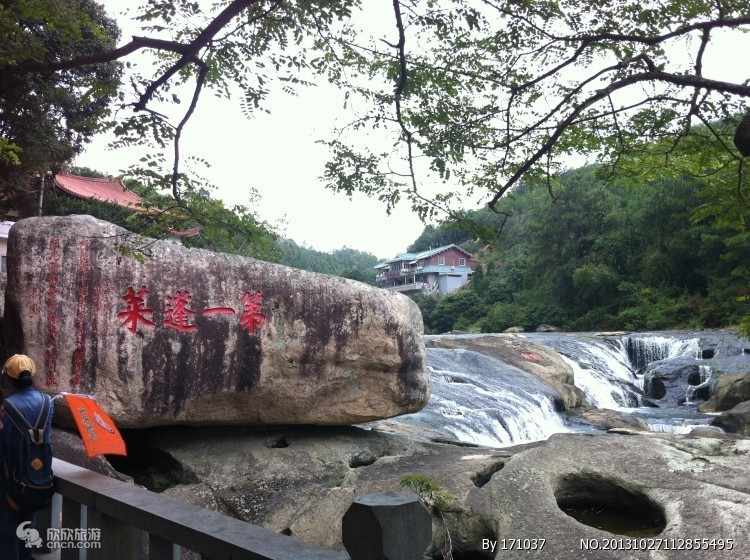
<point x="30" y="482"/>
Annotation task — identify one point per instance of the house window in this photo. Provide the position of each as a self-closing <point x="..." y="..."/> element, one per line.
<point x="441" y="261"/>
<point x="404" y="265"/>
<point x="461" y="262"/>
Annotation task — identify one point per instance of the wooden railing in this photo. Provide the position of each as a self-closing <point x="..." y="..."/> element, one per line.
<point x="97" y="517"/>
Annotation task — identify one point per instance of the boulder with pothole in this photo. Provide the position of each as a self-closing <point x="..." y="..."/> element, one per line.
<point x="570" y="489"/>
<point x="672" y="382"/>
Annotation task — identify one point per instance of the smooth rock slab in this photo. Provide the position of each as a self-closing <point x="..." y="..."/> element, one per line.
<point x="194" y="337"/>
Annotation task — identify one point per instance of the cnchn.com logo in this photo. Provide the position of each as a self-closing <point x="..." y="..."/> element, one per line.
<point x="60" y="538"/>
<point x="29" y="535"/>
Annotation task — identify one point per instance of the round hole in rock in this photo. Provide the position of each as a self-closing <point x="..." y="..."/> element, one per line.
<point x="597" y="502"/>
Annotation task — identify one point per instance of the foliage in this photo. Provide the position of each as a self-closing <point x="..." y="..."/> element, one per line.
<point x="483" y="96"/>
<point x="433" y="237"/>
<point x="337" y="481"/>
<point x="425" y="488"/>
<point x="235" y="230"/>
<point x="435" y="497"/>
<point x="46" y="118"/>
<point x="604" y="255"/>
<point x="344" y="262"/>
<point x="464" y="305"/>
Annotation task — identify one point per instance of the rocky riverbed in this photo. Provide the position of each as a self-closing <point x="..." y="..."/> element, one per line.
<point x="300" y="481"/>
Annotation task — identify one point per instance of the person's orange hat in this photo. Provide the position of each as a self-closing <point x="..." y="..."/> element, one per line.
<point x="18" y="363"/>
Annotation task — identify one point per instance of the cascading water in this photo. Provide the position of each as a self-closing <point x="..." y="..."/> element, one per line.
<point x="481" y="400"/>
<point x="643" y="350"/>
<point x="705" y="379"/>
<point x="600" y="370"/>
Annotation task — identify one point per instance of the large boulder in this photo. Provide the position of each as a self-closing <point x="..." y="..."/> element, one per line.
<point x="735" y="420"/>
<point x="187" y="336"/>
<point x="730" y="390"/>
<point x="674" y="381"/>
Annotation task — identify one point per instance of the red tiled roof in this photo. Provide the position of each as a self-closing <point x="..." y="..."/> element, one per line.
<point x="112" y="191"/>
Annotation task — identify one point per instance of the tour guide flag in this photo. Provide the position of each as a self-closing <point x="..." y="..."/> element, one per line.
<point x="100" y="436"/>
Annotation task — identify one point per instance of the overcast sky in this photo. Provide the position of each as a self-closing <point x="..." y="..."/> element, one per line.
<point x="277" y="154"/>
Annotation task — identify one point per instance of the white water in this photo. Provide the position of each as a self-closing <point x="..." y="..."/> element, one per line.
<point x="602" y="365"/>
<point x="705" y="372"/>
<point x="646" y="349"/>
<point x="534" y="419"/>
<point x="481" y="400"/>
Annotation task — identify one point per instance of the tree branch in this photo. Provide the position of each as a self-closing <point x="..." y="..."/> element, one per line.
<point x="653" y="75"/>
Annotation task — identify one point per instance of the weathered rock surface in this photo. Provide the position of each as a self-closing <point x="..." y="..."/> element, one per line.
<point x="730" y="390"/>
<point x="668" y="381"/>
<point x="735" y="420"/>
<point x="68" y="446"/>
<point x="698" y="484"/>
<point x="193" y="337"/>
<point x="540" y="361"/>
<point x="608" y="419"/>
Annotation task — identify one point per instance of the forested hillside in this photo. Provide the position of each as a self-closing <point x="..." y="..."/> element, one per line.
<point x="599" y="256"/>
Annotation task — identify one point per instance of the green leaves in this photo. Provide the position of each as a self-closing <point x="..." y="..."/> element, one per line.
<point x="503" y="92"/>
<point x="46" y="118"/>
<point x="428" y="490"/>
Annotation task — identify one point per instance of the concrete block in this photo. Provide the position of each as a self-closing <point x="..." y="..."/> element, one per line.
<point x="387" y="526"/>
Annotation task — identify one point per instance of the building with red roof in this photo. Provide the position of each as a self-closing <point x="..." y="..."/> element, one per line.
<point x="111" y="191"/>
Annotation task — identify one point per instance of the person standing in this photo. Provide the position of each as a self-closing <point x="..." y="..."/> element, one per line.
<point x="24" y="408"/>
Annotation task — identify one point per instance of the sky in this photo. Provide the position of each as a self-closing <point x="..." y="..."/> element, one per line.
<point x="277" y="154"/>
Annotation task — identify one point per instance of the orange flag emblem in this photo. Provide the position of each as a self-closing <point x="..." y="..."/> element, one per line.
<point x="100" y="436"/>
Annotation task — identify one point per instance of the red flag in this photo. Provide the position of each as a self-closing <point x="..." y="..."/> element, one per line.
<point x="100" y="436"/>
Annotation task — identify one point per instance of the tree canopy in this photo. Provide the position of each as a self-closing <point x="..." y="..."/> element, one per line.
<point x="481" y="93"/>
<point x="464" y="98"/>
<point x="46" y="117"/>
<point x="623" y="257"/>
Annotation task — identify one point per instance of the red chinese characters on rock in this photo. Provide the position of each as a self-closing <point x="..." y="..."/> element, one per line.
<point x="179" y="316"/>
<point x="79" y="355"/>
<point x="51" y="354"/>
<point x="251" y="317"/>
<point x="136" y="311"/>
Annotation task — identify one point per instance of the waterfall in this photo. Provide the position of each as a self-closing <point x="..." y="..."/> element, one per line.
<point x="705" y="377"/>
<point x="481" y="400"/>
<point x="600" y="393"/>
<point x="601" y="370"/>
<point x="643" y="350"/>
